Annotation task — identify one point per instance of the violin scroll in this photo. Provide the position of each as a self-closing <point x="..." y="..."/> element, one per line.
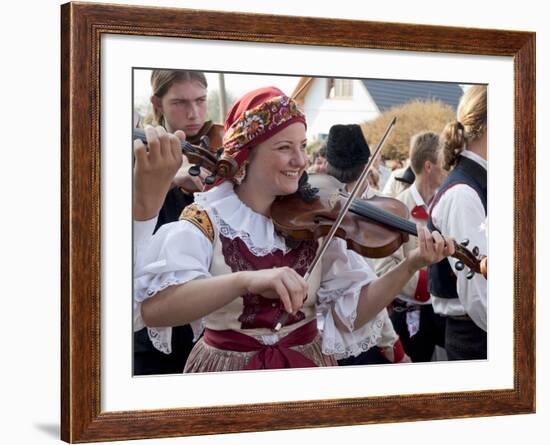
<point x="200" y="155"/>
<point x="483" y="266"/>
<point x="476" y="263"/>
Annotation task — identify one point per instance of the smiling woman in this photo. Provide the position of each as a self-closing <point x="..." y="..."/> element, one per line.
<point x="275" y="168"/>
<point x="224" y="269"/>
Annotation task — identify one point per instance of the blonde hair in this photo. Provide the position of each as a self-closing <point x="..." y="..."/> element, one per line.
<point x="424" y="147"/>
<point x="161" y="81"/>
<point x="470" y="125"/>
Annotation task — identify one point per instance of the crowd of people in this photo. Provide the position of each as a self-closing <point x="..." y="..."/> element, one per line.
<point x="213" y="277"/>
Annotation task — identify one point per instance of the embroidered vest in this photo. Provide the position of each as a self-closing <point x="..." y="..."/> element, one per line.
<point x="441" y="278"/>
<point x="231" y="254"/>
<point x="258" y="311"/>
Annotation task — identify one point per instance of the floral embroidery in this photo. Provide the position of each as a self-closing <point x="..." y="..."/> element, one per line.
<point x="199" y="218"/>
<point x="253" y="126"/>
<point x="258" y="121"/>
<point x="260" y="312"/>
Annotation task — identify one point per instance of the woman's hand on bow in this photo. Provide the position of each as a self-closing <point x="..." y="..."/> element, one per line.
<point x="281" y="283"/>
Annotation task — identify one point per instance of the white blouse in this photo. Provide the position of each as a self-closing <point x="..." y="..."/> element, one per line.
<point x="180" y="252"/>
<point x="460" y="214"/>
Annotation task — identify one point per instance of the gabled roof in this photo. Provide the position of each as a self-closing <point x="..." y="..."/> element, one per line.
<point x="389" y="93"/>
<point x="301" y="90"/>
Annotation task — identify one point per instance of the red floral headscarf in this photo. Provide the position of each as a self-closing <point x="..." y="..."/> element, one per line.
<point x="254" y="118"/>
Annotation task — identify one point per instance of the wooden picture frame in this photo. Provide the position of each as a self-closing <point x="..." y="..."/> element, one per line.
<point x="82" y="26"/>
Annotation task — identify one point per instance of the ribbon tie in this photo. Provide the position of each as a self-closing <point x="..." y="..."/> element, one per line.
<point x="277" y="356"/>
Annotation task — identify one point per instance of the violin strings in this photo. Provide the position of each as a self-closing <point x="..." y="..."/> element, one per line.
<point x="368" y="210"/>
<point x="365" y="209"/>
<point x="401" y="223"/>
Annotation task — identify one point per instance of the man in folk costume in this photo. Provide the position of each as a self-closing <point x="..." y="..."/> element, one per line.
<point x="347" y="155"/>
<point x="412" y="313"/>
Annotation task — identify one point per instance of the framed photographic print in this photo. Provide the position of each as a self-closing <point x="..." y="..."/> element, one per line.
<point x="105" y="50"/>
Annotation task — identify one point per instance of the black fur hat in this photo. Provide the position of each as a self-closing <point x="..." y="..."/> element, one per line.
<point x="346" y="146"/>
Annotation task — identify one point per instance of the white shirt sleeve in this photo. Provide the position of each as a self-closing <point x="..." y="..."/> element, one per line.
<point x="460" y="214"/>
<point x="179" y="252"/>
<point x="143" y="231"/>
<point x="344" y="274"/>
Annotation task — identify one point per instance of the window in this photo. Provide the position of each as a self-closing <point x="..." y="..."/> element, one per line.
<point x="339" y="88"/>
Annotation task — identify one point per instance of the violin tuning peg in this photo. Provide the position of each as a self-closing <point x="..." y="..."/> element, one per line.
<point x="459" y="265"/>
<point x="194" y="170"/>
<point x="219" y="153"/>
<point x="209" y="180"/>
<point x="465" y="242"/>
<point x="204" y="141"/>
<point x="475" y="251"/>
<point x="470" y="274"/>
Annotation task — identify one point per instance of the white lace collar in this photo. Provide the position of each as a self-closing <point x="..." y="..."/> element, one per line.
<point x="235" y="219"/>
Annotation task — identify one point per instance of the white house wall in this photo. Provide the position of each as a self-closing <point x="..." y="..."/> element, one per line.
<point x="321" y="112"/>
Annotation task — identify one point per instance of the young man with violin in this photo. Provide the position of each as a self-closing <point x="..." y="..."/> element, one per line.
<point x="179" y="103"/>
<point x="347" y="155"/>
<point x="412" y="313"/>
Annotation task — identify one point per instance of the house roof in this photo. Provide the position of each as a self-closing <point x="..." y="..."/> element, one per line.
<point x="302" y="89"/>
<point x="389" y="93"/>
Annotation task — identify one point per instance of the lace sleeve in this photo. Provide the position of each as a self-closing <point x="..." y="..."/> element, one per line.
<point x="344" y="275"/>
<point x="179" y="252"/>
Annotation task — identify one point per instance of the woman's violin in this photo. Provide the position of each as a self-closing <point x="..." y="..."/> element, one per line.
<point x="201" y="155"/>
<point x="374" y="228"/>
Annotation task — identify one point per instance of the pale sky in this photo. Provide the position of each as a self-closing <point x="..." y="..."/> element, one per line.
<point x="235" y="84"/>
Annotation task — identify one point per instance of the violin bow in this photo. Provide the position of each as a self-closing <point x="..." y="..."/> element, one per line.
<point x="328" y="238"/>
